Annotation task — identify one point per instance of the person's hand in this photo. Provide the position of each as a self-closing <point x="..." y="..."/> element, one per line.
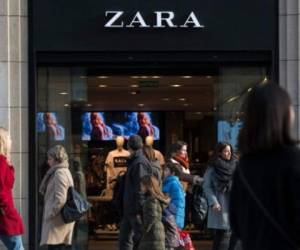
<point x="197" y="180"/>
<point x="216" y="207"/>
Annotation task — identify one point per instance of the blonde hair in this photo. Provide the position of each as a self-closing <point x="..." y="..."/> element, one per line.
<point x="58" y="153"/>
<point x="5" y="143"/>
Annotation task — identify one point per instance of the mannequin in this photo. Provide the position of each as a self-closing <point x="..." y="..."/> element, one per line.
<point x="116" y="161"/>
<point x="158" y="155"/>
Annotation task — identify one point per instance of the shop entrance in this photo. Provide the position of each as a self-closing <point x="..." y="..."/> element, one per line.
<point x="199" y="105"/>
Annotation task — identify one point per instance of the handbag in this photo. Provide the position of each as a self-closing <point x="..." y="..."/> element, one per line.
<point x="75" y="207"/>
<point x="265" y="210"/>
<point x="200" y="206"/>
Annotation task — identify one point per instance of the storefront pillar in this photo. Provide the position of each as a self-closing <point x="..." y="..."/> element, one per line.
<point x="289" y="53"/>
<point x="14" y="94"/>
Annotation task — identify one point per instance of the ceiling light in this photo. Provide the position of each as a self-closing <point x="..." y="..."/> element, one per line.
<point x="186" y="77"/>
<point x="250" y="89"/>
<point x="156" y="77"/>
<point x="232" y="99"/>
<point x="265" y="80"/>
<point x="135" y="77"/>
<point x="141" y="104"/>
<point x="66" y="105"/>
<point x="89" y="105"/>
<point x="63" y="93"/>
<point x="198" y="113"/>
<point x="208" y="77"/>
<point x="134" y="86"/>
<point x="133" y="92"/>
<point x="186" y="104"/>
<point x="182" y="99"/>
<point x="176" y="85"/>
<point x="102" y="77"/>
<point x="102" y="86"/>
<point x="83" y="77"/>
<point x="144" y="77"/>
<point x="166" y="99"/>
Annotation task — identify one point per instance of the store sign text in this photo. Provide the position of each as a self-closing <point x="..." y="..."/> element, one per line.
<point x="162" y="19"/>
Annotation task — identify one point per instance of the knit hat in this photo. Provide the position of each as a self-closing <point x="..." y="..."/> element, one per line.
<point x="135" y="142"/>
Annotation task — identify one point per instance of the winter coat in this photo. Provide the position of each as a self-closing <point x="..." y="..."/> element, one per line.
<point x="156" y="168"/>
<point x="216" y="220"/>
<point x="10" y="222"/>
<point x="174" y="189"/>
<point x="55" y="186"/>
<point x="153" y="237"/>
<point x="274" y="177"/>
<point x="138" y="167"/>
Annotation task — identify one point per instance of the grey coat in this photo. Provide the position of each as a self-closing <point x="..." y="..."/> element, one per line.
<point x="216" y="220"/>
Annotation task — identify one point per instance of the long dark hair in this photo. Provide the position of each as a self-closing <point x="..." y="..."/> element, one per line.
<point x="219" y="149"/>
<point x="267" y="121"/>
<point x="149" y="152"/>
<point x="174" y="148"/>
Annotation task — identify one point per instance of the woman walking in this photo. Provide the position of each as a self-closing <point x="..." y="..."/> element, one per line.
<point x="11" y="225"/>
<point x="153" y="237"/>
<point x="55" y="233"/>
<point x="217" y="187"/>
<point x="265" y="201"/>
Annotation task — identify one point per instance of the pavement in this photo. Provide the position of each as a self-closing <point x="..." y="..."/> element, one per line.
<point x="112" y="245"/>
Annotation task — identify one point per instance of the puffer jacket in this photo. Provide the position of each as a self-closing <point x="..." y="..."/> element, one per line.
<point x="173" y="188"/>
<point x="153" y="237"/>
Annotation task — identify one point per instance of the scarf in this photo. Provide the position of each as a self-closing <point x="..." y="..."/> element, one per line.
<point x="182" y="161"/>
<point x="49" y="174"/>
<point x="223" y="173"/>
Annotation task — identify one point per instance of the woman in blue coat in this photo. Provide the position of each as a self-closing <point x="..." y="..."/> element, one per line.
<point x="217" y="186"/>
<point x="174" y="189"/>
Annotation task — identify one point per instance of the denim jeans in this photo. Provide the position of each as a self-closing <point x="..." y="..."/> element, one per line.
<point x="12" y="242"/>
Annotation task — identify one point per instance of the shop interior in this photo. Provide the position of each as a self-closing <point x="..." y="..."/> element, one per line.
<point x="199" y="107"/>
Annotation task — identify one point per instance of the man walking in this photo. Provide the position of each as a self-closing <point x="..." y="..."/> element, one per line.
<point x="131" y="225"/>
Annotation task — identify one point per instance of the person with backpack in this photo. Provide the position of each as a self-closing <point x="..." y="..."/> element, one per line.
<point x="138" y="166"/>
<point x="174" y="189"/>
<point x="56" y="234"/>
<point x="153" y="236"/>
<point x="217" y="187"/>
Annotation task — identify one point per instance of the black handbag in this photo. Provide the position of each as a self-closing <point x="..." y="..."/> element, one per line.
<point x="76" y="206"/>
<point x="200" y="206"/>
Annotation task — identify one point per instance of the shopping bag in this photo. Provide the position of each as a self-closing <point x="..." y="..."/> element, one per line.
<point x="185" y="240"/>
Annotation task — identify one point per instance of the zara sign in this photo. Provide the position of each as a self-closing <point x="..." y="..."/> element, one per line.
<point x="161" y="19"/>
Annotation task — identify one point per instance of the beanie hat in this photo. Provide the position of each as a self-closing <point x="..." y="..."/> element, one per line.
<point x="135" y="142"/>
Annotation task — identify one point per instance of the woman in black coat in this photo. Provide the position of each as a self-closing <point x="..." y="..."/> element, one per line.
<point x="265" y="198"/>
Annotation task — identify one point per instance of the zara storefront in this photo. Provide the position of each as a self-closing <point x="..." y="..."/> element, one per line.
<point x="184" y="65"/>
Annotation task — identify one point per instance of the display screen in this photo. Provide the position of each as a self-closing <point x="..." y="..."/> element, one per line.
<point x="105" y="126"/>
<point x="48" y="123"/>
<point x="229" y="131"/>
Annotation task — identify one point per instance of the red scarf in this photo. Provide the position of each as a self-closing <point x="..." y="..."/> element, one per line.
<point x="183" y="161"/>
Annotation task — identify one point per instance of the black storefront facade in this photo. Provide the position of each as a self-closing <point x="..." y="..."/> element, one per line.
<point x="76" y="45"/>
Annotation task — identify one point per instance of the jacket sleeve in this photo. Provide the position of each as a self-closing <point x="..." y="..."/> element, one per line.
<point x="294" y="180"/>
<point x="208" y="189"/>
<point x="138" y="174"/>
<point x="61" y="185"/>
<point x="175" y="193"/>
<point x="149" y="214"/>
<point x="3" y="176"/>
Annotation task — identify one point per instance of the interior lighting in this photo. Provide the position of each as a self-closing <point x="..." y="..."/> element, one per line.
<point x="141" y="104"/>
<point x="166" y="99"/>
<point x="102" y="86"/>
<point x="102" y="77"/>
<point x="249" y="90"/>
<point x="134" y="86"/>
<point x="208" y="77"/>
<point x="89" y="105"/>
<point x="182" y="99"/>
<point x="186" y="77"/>
<point x="156" y="77"/>
<point x="176" y="85"/>
<point x="135" y="77"/>
<point x="232" y="99"/>
<point x="66" y="105"/>
<point x="83" y="77"/>
<point x="133" y="92"/>
<point x="63" y="93"/>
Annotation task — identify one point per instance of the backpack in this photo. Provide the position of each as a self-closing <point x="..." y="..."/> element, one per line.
<point x="200" y="206"/>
